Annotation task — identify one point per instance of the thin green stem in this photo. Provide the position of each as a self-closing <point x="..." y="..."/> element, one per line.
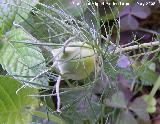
<point x="155" y="88"/>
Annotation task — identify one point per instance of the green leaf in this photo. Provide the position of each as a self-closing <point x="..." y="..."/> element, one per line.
<point x="117" y="100"/>
<point x="7" y="14"/>
<point x="21" y="60"/>
<point x="147" y="76"/>
<point x="15" y="108"/>
<point x="10" y="11"/>
<point x="24" y="9"/>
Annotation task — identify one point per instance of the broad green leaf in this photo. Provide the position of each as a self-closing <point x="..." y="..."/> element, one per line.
<point x="21" y="60"/>
<point x="7" y="14"/>
<point x="24" y="9"/>
<point x="147" y="76"/>
<point x="15" y="108"/>
<point x="117" y="100"/>
<point x="11" y="10"/>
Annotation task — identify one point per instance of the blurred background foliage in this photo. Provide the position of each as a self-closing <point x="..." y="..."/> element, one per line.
<point x="30" y="29"/>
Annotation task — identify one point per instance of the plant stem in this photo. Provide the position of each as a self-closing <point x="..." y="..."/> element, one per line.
<point x="120" y="49"/>
<point x="155" y="88"/>
<point x="155" y="43"/>
<point x="57" y="92"/>
<point x="146" y="53"/>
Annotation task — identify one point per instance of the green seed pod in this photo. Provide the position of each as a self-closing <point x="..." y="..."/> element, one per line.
<point x="151" y="109"/>
<point x="151" y="103"/>
<point x="77" y="62"/>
